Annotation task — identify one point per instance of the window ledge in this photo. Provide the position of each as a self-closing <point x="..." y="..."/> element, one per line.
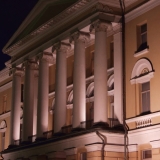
<point x="140" y="118"/>
<point x="145" y="51"/>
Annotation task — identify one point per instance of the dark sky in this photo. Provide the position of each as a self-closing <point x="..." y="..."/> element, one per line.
<point x="12" y="14"/>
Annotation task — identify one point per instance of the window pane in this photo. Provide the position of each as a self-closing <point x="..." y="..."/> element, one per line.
<point x="147" y="154"/>
<point x="143" y="28"/>
<point x="146" y="86"/>
<point x="144" y="38"/>
<point x="143" y="102"/>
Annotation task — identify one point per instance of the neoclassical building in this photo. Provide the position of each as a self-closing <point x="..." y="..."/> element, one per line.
<point x="83" y="82"/>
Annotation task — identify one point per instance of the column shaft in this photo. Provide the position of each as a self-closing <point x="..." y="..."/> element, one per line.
<point x="43" y="90"/>
<point x="79" y="79"/>
<point x="61" y="84"/>
<point x="118" y="77"/>
<point x="28" y="101"/>
<point x="15" y="107"/>
<point x="100" y="72"/>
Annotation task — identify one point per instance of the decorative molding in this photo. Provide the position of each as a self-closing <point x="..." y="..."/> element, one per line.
<point x="3" y="126"/>
<point x="137" y="76"/>
<point x="141" y="118"/>
<point x="155" y="144"/>
<point x="5" y="115"/>
<point x="90" y="99"/>
<point x="4" y="74"/>
<point x="70" y="98"/>
<point x="69" y="106"/>
<point x="133" y="148"/>
<point x="6" y="86"/>
<point x="71" y="151"/>
<point x="111" y="92"/>
<point x="56" y="155"/>
<point x="100" y="26"/>
<point x="80" y="36"/>
<point x="141" y="10"/>
<point x="61" y="47"/>
<point x="141" y="53"/>
<point x="144" y="123"/>
<point x="90" y="89"/>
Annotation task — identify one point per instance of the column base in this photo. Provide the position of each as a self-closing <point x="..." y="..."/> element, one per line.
<point x="119" y="127"/>
<point x="11" y="146"/>
<point x="25" y="143"/>
<point x="59" y="134"/>
<point x="78" y="129"/>
<point x="101" y="125"/>
<point x="40" y="139"/>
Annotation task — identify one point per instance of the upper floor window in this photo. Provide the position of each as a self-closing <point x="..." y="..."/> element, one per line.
<point x="145" y="93"/>
<point x="142" y="37"/>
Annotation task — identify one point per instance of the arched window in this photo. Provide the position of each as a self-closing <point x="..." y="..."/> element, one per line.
<point x="142" y="74"/>
<point x="3" y="127"/>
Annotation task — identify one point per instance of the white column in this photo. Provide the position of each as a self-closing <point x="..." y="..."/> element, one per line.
<point x="61" y="84"/>
<point x="35" y="102"/>
<point x="118" y="77"/>
<point x="100" y="72"/>
<point x="43" y="90"/>
<point x="79" y="78"/>
<point x="30" y="66"/>
<point x="15" y="106"/>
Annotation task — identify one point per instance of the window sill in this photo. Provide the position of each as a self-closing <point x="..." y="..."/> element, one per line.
<point x="145" y="51"/>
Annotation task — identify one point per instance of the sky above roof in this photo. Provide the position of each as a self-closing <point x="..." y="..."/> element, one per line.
<point x="12" y="14"/>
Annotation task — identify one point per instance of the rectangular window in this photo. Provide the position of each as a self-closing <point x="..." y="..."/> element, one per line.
<point x="142" y="37"/>
<point x="22" y="92"/>
<point x="146" y="155"/>
<point x="145" y="93"/>
<point x="4" y="103"/>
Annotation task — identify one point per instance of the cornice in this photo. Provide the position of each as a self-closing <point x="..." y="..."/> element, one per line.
<point x="4" y="74"/>
<point x="67" y="15"/>
<point x="141" y="10"/>
<point x="6" y="86"/>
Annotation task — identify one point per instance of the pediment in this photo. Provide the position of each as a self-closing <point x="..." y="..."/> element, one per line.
<point x="41" y="13"/>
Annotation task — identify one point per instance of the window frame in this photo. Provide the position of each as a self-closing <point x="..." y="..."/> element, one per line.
<point x="145" y="109"/>
<point x="143" y="151"/>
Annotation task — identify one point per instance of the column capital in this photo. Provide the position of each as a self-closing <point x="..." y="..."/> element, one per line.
<point x="62" y="47"/>
<point x="80" y="36"/>
<point x="16" y="71"/>
<point x="31" y="64"/>
<point x="100" y="26"/>
<point x="46" y="56"/>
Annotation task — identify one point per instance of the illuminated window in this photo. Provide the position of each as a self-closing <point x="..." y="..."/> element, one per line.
<point x="145" y="96"/>
<point x="147" y="155"/>
<point x="4" y="103"/>
<point x="142" y="37"/>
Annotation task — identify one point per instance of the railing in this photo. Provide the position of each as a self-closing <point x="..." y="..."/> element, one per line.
<point x="87" y="124"/>
<point x="32" y="138"/>
<point x="17" y="142"/>
<point x="48" y="134"/>
<point x="67" y="129"/>
<point x="113" y="122"/>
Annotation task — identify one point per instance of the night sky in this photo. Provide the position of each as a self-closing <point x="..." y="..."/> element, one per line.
<point x="12" y="14"/>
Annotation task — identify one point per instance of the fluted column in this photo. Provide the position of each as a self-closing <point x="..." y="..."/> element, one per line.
<point x="16" y="105"/>
<point x="61" y="84"/>
<point x="100" y="72"/>
<point x="30" y="66"/>
<point x="79" y="78"/>
<point x="43" y="90"/>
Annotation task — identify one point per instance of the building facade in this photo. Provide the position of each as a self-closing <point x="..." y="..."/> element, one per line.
<point x="82" y="82"/>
